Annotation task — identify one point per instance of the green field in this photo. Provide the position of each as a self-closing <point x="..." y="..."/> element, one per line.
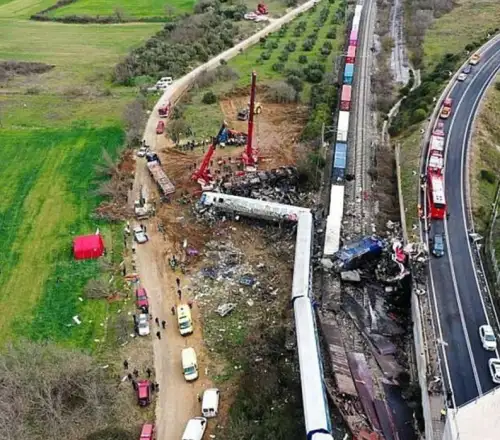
<point x="23" y="8"/>
<point x="53" y="129"/>
<point x="249" y="60"/>
<point x="130" y="8"/>
<point x="468" y="21"/>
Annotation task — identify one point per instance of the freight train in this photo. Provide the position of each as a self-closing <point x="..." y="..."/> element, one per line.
<point x="341" y="145"/>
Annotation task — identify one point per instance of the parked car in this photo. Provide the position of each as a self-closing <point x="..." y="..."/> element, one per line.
<point x="488" y="338"/>
<point x="148" y="432"/>
<point x="143" y="391"/>
<point x="189" y="364"/>
<point x="141" y="324"/>
<point x="140" y="235"/>
<point x="438" y="245"/>
<point x="160" y="128"/>
<point x="462" y="77"/>
<point x="141" y="299"/>
<point x="467" y="69"/>
<point x="494" y="365"/>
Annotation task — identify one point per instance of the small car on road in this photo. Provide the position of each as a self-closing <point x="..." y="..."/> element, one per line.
<point x="140" y="235"/>
<point x="467" y="69"/>
<point x="488" y="338"/>
<point x="494" y="366"/>
<point x="160" y="128"/>
<point x="142" y="324"/>
<point x="462" y="77"/>
<point x="474" y="59"/>
<point x="438" y="245"/>
<point x="141" y="152"/>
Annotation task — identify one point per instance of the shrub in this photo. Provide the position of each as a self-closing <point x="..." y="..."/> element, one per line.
<point x="283" y="57"/>
<point x="314" y="75"/>
<point x="290" y="46"/>
<point x="332" y="34"/>
<point x="265" y="56"/>
<point x="418" y="115"/>
<point x="281" y="92"/>
<point x="278" y="67"/>
<point x="303" y="59"/>
<point x="497" y="86"/>
<point x="209" y="98"/>
<point x="488" y="175"/>
<point x="295" y="82"/>
<point x="308" y="45"/>
<point x="272" y="44"/>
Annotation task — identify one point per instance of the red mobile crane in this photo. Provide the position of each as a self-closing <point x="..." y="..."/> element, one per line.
<point x="250" y="155"/>
<point x="203" y="173"/>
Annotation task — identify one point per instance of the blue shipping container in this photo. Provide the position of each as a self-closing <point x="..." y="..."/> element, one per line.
<point x="348" y="73"/>
<point x="339" y="162"/>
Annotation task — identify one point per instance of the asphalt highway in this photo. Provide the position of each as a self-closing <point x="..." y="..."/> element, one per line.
<point x="455" y="290"/>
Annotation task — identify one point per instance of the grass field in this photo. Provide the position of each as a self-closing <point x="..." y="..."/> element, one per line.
<point x="244" y="63"/>
<point x="53" y="129"/>
<point x="486" y="158"/>
<point x="249" y="60"/>
<point x="23" y="8"/>
<point x="468" y="21"/>
<point x="130" y="8"/>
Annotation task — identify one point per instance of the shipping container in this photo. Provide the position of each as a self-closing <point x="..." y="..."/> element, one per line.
<point x="343" y="126"/>
<point x="353" y="38"/>
<point x="334" y="220"/>
<point x="348" y="73"/>
<point x="351" y="55"/>
<point x="339" y="162"/>
<point x="345" y="100"/>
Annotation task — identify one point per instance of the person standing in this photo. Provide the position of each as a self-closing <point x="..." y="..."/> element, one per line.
<point x="148" y="372"/>
<point x="158" y="335"/>
<point x="178" y="281"/>
<point x="179" y="293"/>
<point x="125" y="364"/>
<point x="157" y="321"/>
<point x="173" y="310"/>
<point x="164" y="324"/>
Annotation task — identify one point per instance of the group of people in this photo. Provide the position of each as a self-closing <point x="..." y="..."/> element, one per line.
<point x="132" y="377"/>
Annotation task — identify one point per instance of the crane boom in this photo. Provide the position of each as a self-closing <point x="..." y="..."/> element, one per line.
<point x="202" y="172"/>
<point x="249" y="156"/>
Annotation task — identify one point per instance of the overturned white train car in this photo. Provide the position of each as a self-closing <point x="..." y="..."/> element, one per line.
<point x="316" y="411"/>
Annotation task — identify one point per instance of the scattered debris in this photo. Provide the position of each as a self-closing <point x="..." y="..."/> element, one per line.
<point x="225" y="309"/>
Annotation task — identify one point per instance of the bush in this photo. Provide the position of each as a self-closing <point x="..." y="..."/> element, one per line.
<point x="303" y="59"/>
<point x="332" y="34"/>
<point x="295" y="82"/>
<point x="283" y="57"/>
<point x="290" y="46"/>
<point x="209" y="98"/>
<point x="488" y="175"/>
<point x="271" y="44"/>
<point x="497" y="86"/>
<point x="265" y="56"/>
<point x="278" y="67"/>
<point x="308" y="45"/>
<point x="280" y="92"/>
<point x="314" y="76"/>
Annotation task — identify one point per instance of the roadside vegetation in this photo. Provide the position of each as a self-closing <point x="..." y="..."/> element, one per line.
<point x="439" y="40"/>
<point x="485" y="164"/>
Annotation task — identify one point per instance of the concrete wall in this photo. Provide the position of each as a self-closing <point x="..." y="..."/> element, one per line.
<point x="175" y="91"/>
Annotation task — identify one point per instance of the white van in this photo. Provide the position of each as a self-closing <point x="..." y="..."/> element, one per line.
<point x="184" y="319"/>
<point x="195" y="429"/>
<point x="189" y="364"/>
<point x="210" y="403"/>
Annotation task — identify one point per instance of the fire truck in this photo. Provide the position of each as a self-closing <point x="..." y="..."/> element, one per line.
<point x="435" y="193"/>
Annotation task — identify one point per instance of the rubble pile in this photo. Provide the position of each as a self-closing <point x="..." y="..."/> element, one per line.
<point x="369" y="304"/>
<point x="231" y="280"/>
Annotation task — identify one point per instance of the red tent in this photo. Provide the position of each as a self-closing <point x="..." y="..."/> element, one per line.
<point x="88" y="246"/>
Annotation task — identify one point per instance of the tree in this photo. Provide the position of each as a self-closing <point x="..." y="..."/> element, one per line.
<point x="135" y="119"/>
<point x="209" y="98"/>
<point x="177" y="128"/>
<point x="50" y="392"/>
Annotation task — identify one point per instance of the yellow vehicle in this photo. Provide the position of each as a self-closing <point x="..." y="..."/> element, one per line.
<point x="474" y="59"/>
<point x="184" y="319"/>
<point x="243" y="113"/>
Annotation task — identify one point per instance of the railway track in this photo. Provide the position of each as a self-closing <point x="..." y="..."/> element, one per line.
<point x="362" y="128"/>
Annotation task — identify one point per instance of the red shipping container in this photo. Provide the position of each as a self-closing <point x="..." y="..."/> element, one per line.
<point x="353" y="38"/>
<point x="351" y="55"/>
<point x="345" y="100"/>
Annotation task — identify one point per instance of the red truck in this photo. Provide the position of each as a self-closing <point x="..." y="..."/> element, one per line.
<point x="164" y="111"/>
